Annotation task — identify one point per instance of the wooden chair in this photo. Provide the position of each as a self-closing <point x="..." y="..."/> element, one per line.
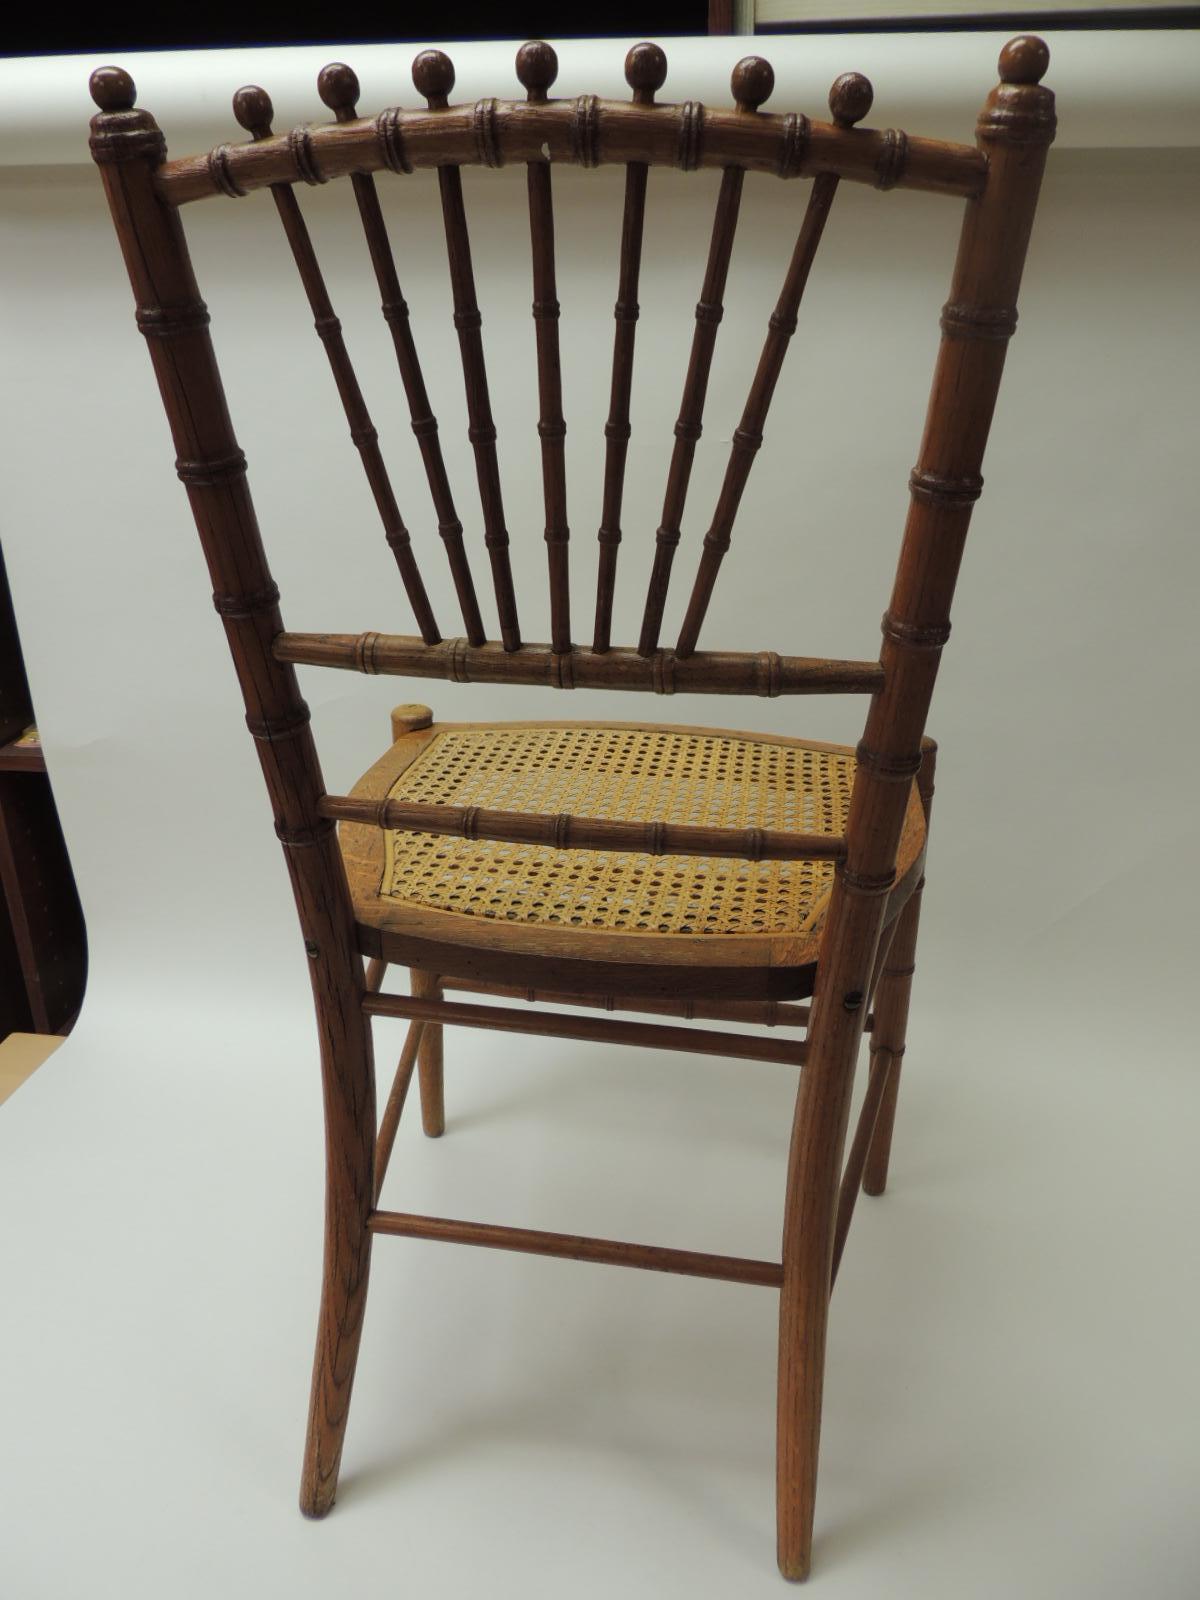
<point x="646" y="868"/>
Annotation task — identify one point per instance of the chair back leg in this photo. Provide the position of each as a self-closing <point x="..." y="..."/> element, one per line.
<point x="427" y="986"/>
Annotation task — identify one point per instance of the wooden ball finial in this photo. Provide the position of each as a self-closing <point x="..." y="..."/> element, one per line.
<point x="112" y="89"/>
<point x="337" y="84"/>
<point x="537" y="68"/>
<point x="752" y="81"/>
<point x="1024" y="59"/>
<point x="433" y="76"/>
<point x="253" y="110"/>
<point x="645" y="71"/>
<point x="850" y="98"/>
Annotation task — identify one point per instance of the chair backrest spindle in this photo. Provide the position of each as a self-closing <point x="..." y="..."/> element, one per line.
<point x="337" y="85"/>
<point x="433" y="77"/>
<point x="537" y="68"/>
<point x="645" y="73"/>
<point x="849" y="101"/>
<point x="253" y="110"/>
<point x="753" y="80"/>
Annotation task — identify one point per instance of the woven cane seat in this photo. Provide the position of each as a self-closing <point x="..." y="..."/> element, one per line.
<point x="581" y="906"/>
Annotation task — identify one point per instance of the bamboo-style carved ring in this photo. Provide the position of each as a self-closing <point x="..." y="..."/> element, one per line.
<point x="691" y="133"/>
<point x="487" y="140"/>
<point x="795" y="144"/>
<point x="272" y="729"/>
<point x="365" y="647"/>
<point x="211" y="474"/>
<point x="585" y="130"/>
<point x="866" y="883"/>
<point x="304" y="157"/>
<point x="961" y="321"/>
<point x="304" y="838"/>
<point x="934" y="489"/>
<point x="664" y="672"/>
<point x="222" y="177"/>
<point x="917" y="635"/>
<point x="390" y="134"/>
<point x="240" y="607"/>
<point x="892" y="158"/>
<point x="890" y="768"/>
<point x="172" y="322"/>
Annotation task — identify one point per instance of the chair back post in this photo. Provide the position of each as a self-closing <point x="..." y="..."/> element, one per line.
<point x="1014" y="131"/>
<point x="128" y="148"/>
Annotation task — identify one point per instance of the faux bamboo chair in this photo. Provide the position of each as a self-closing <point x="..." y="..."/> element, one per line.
<point x="651" y="869"/>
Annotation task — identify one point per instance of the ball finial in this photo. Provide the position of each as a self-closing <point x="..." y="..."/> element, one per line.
<point x="253" y="110"/>
<point x="1024" y="59"/>
<point x="337" y="84"/>
<point x="850" y="98"/>
<point x="112" y="89"/>
<point x="752" y="81"/>
<point x="433" y="76"/>
<point x="645" y="72"/>
<point x="537" y="68"/>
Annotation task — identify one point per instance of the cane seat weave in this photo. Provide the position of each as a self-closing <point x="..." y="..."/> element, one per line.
<point x="534" y="897"/>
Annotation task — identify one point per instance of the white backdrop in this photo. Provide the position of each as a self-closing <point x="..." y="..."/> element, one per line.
<point x="1011" y="1362"/>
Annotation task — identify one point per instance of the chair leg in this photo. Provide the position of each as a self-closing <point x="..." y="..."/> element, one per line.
<point x="349" y="1093"/>
<point x="891" y="1006"/>
<point x="429" y="1062"/>
<point x="887" y="1040"/>
<point x="814" y="1172"/>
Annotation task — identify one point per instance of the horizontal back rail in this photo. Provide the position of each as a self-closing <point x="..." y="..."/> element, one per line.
<point x="587" y="131"/>
<point x="566" y="832"/>
<point x="761" y="673"/>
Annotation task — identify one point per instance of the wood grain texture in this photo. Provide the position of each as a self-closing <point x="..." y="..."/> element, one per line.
<point x="595" y="1030"/>
<point x="252" y="107"/>
<point x="784" y="146"/>
<point x="763" y="674"/>
<point x="338" y="88"/>
<point x="578" y="1247"/>
<point x="857" y="944"/>
<point x="128" y="147"/>
<point x="1015" y="129"/>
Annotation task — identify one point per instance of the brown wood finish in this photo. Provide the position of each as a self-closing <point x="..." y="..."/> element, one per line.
<point x="128" y="147"/>
<point x="595" y="1030"/>
<point x="433" y="77"/>
<point x="849" y="101"/>
<point x="537" y="68"/>
<point x="338" y="87"/>
<point x="389" y="1123"/>
<point x="565" y="832"/>
<point x="891" y="1003"/>
<point x="1015" y="129"/>
<point x="764" y="674"/>
<point x="709" y="312"/>
<point x="858" y="939"/>
<point x="645" y="73"/>
<point x="593" y="133"/>
<point x="578" y="1247"/>
<point x="253" y="110"/>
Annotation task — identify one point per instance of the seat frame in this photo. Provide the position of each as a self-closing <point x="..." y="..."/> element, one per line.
<point x="863" y="954"/>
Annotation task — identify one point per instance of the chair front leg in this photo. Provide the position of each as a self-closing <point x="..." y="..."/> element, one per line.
<point x="814" y="1172"/>
<point x="348" y="1079"/>
<point x="891" y="1005"/>
<point x="427" y="986"/>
